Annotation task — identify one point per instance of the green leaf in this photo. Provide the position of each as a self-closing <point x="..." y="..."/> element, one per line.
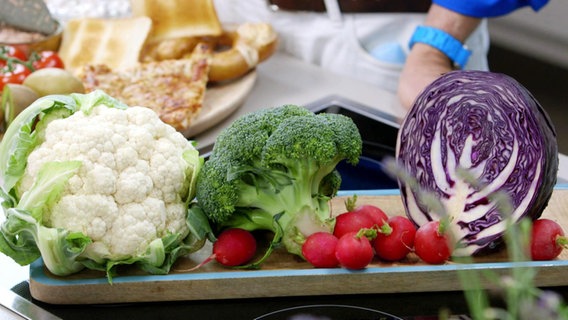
<point x="96" y="98"/>
<point x="47" y="187"/>
<point x="195" y="162"/>
<point x="18" y="238"/>
<point x="198" y="223"/>
<point x="60" y="249"/>
<point x="25" y="240"/>
<point x="21" y="138"/>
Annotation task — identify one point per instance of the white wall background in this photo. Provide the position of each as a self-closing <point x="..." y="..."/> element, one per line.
<point x="542" y="34"/>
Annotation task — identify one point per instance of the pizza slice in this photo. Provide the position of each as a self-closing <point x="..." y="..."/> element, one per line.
<point x="174" y="89"/>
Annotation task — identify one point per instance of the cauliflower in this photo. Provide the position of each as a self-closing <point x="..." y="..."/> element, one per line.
<point x="112" y="183"/>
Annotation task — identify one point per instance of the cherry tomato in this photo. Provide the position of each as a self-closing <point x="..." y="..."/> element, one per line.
<point x="12" y="52"/>
<point x="48" y="59"/>
<point x="17" y="75"/>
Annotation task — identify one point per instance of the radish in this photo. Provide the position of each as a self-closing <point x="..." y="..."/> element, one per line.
<point x="395" y="239"/>
<point x="354" y="219"/>
<point x="547" y="240"/>
<point x="351" y="222"/>
<point x="319" y="250"/>
<point x="431" y="243"/>
<point x="375" y="213"/>
<point x="354" y="249"/>
<point x="378" y="216"/>
<point x="233" y="247"/>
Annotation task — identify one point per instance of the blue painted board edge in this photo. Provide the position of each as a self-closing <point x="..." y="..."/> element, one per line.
<point x="38" y="274"/>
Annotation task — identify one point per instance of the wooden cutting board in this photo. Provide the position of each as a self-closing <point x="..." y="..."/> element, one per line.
<point x="286" y="275"/>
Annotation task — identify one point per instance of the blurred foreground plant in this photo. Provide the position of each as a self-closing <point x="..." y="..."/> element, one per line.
<point x="519" y="298"/>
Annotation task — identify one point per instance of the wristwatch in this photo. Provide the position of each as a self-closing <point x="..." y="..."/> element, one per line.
<point x="443" y="41"/>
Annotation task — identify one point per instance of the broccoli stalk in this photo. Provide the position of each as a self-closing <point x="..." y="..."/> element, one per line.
<point x="275" y="169"/>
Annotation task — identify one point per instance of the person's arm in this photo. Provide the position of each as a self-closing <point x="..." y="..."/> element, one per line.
<point x="425" y="63"/>
<point x="459" y="18"/>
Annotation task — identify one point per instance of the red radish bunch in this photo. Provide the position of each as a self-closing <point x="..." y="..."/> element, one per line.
<point x="363" y="232"/>
<point x="360" y="234"/>
<point x="432" y="242"/>
<point x="352" y="251"/>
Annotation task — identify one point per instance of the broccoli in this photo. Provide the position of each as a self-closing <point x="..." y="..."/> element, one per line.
<point x="275" y="169"/>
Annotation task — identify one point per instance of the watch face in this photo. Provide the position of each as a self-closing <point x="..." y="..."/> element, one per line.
<point x="327" y="312"/>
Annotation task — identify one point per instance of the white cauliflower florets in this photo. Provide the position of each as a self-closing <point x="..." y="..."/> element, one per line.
<point x="132" y="185"/>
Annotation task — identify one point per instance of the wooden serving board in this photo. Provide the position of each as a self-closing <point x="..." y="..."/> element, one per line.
<point x="286" y="275"/>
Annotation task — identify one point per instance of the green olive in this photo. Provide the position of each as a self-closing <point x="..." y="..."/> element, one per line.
<point x="54" y="81"/>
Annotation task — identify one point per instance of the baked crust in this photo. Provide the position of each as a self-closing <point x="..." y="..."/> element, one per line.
<point x="174" y="89"/>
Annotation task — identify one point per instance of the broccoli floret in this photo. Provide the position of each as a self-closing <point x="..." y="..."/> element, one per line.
<point x="275" y="169"/>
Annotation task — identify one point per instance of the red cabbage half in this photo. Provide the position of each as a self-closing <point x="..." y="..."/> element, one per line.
<point x="491" y="126"/>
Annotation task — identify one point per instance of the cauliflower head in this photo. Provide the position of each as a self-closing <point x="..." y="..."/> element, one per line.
<point x="117" y="178"/>
<point x="132" y="185"/>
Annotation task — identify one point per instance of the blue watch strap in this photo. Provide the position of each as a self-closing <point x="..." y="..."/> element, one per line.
<point x="442" y="41"/>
